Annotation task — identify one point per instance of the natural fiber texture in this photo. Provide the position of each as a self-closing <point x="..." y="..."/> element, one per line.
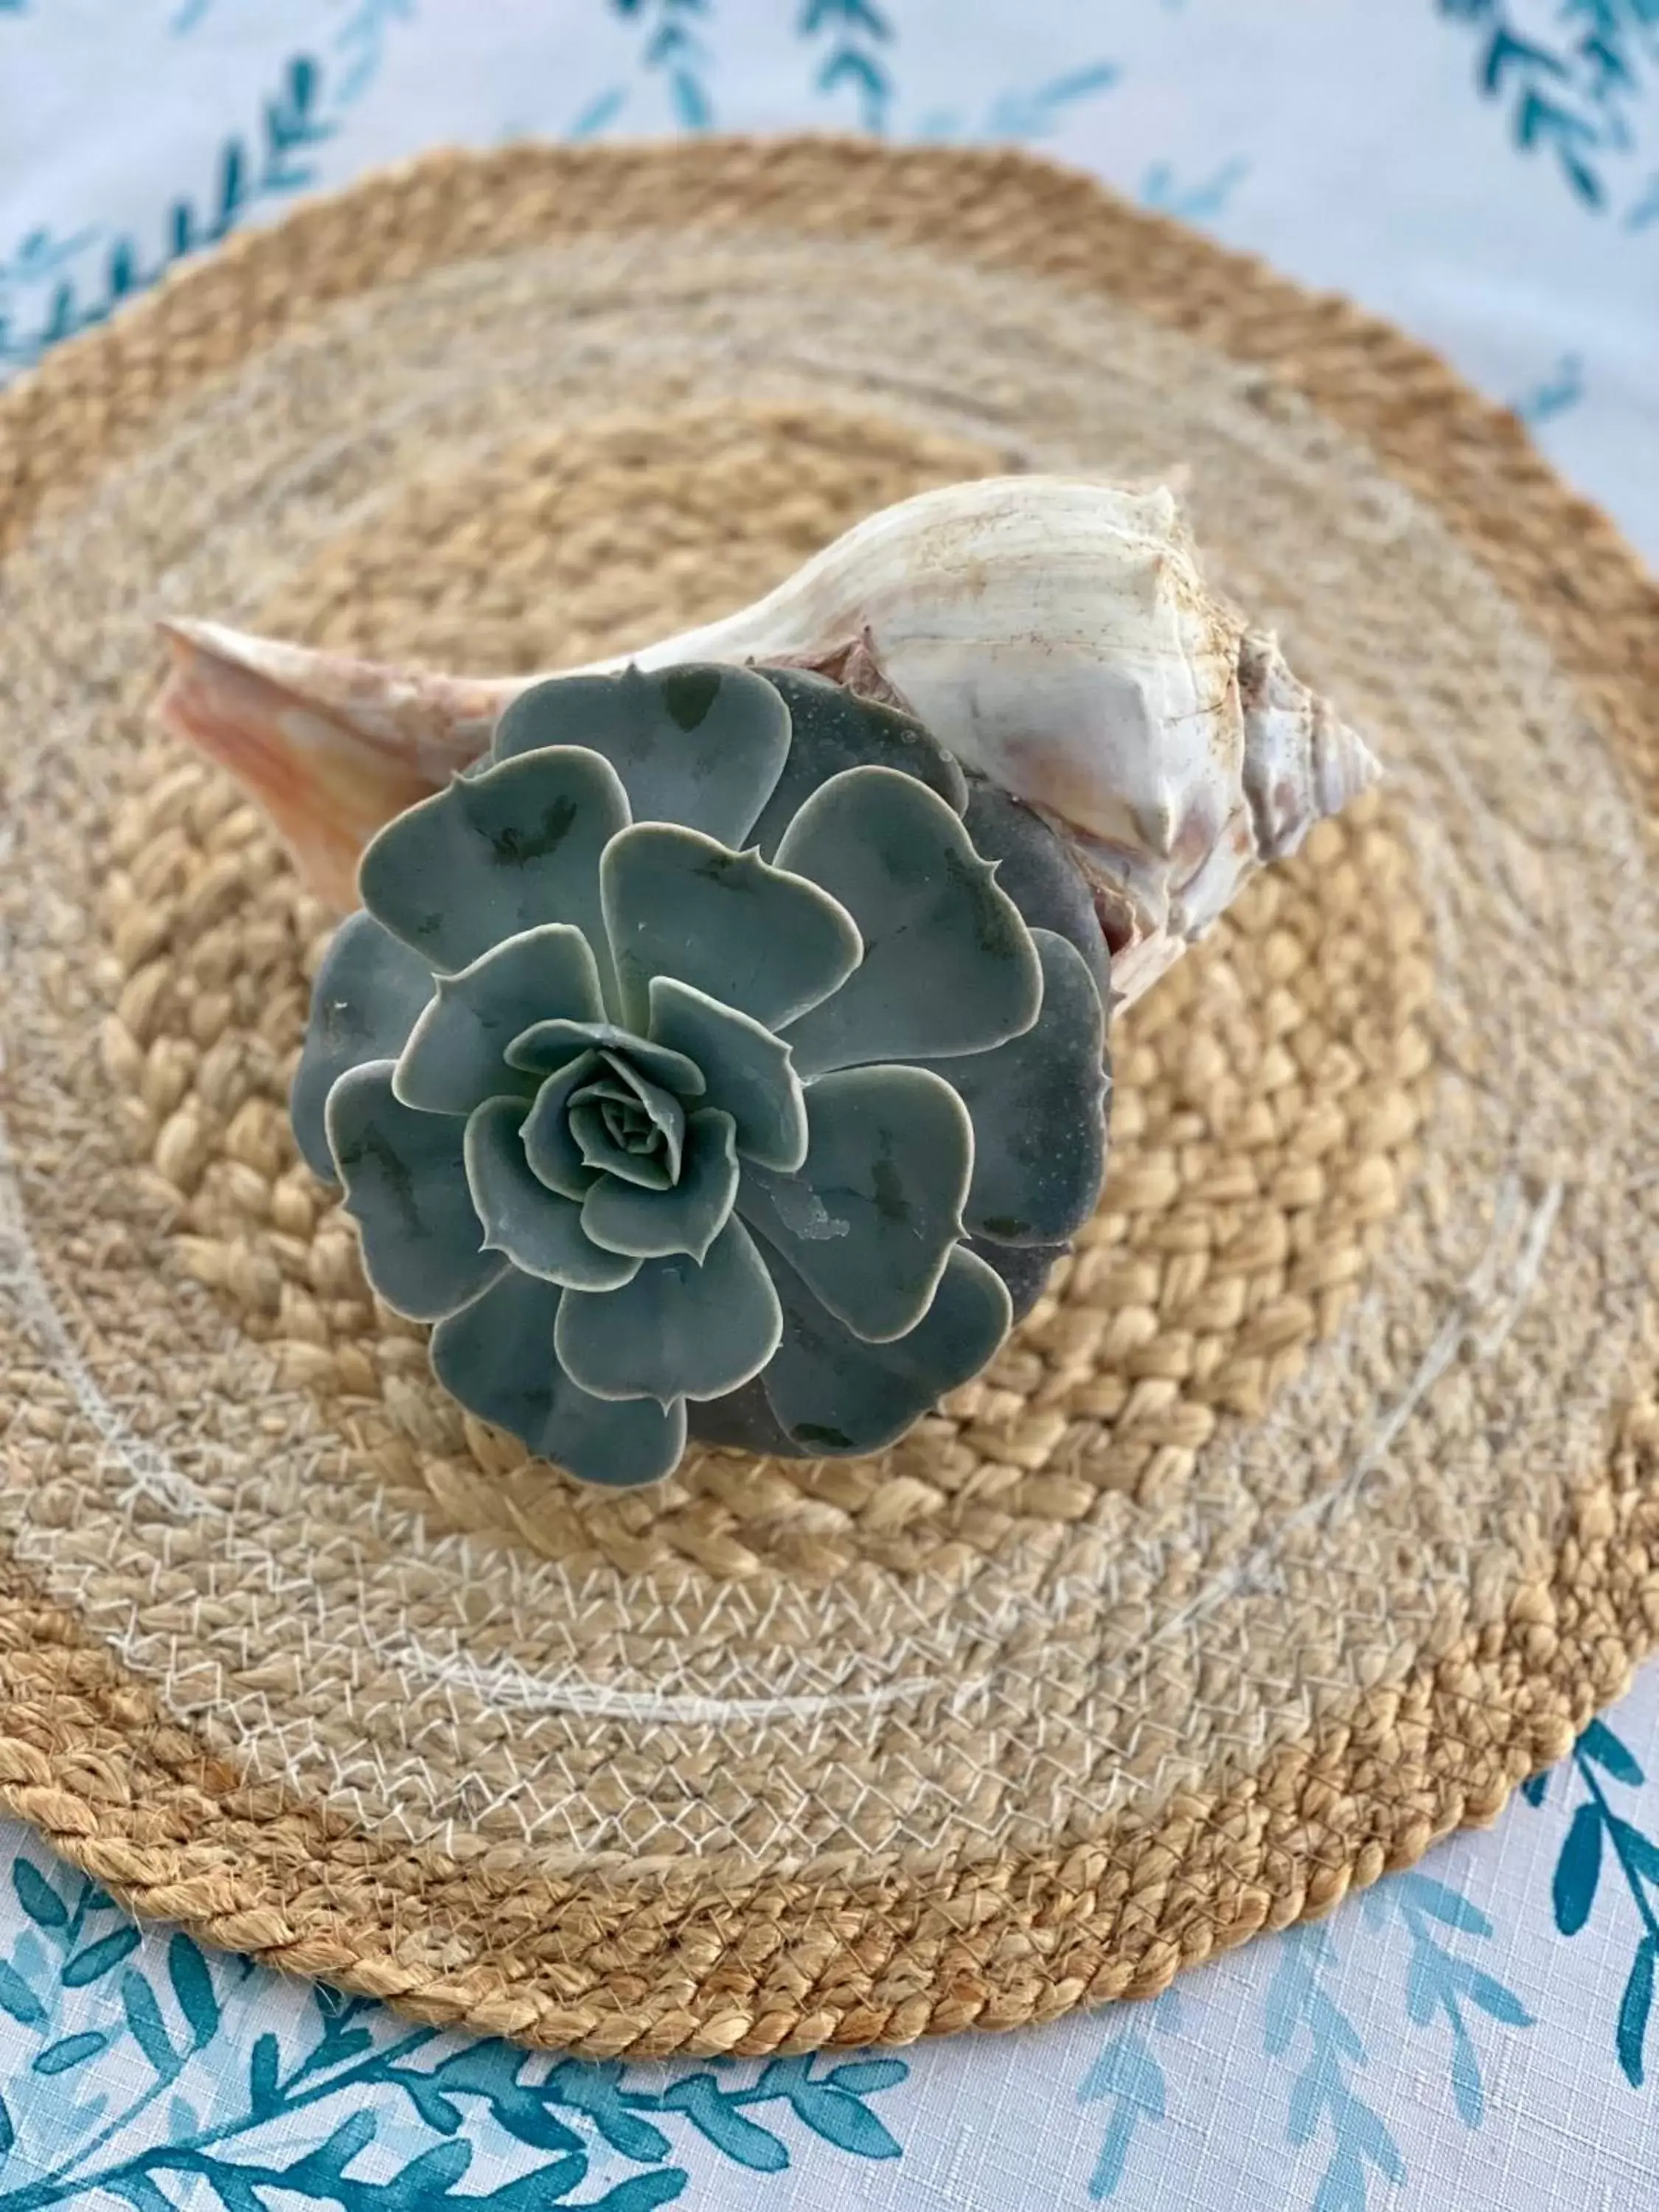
<point x="1311" y="1508"/>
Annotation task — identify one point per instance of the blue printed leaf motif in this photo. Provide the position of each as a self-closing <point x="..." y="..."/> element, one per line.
<point x="71" y="2050"/>
<point x="1344" y="2037"/>
<point x="1128" y="2073"/>
<point x="1634" y="2009"/>
<point x="1493" y="1999"/>
<point x="37" y="1896"/>
<point x="98" y="1959"/>
<point x="432" y="2173"/>
<point x="598" y="114"/>
<point x="17" y="1998"/>
<point x="642" y="2192"/>
<point x="1577" y="1870"/>
<point x="548" y="2185"/>
<point x="1636" y="1850"/>
<point x="1343" y="2188"/>
<point x="699" y="2097"/>
<point x="1610" y="1753"/>
<point x="1535" y="1787"/>
<point x="1376" y="2141"/>
<point x="149" y="2030"/>
<point x="1467" y="2093"/>
<point x="1115" y="2146"/>
<point x="1126" y="2067"/>
<point x="356" y="2047"/>
<point x="491" y="2070"/>
<point x="193" y="1985"/>
<point x="263" y="2062"/>
<point x="434" y="2107"/>
<point x="1425" y="1982"/>
<point x="1284" y="2006"/>
<point x="843" y="2120"/>
<point x="320" y="2169"/>
<point x="1309" y="2094"/>
<point x="596" y="2089"/>
<point x="246" y="171"/>
<point x="1443" y="1905"/>
<point x="1504" y="50"/>
<point x="7" y="2133"/>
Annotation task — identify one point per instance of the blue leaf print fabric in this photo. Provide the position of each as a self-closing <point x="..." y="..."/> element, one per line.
<point x="1478" y="2031"/>
<point x="144" y="2070"/>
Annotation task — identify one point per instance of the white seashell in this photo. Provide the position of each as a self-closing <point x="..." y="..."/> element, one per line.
<point x="1054" y="634"/>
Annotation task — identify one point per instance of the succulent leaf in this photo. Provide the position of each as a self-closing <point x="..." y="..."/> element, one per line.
<point x="869" y="1221"/>
<point x="698" y="743"/>
<point x="455" y="1056"/>
<point x="496" y="854"/>
<point x="496" y="1357"/>
<point x="678" y="904"/>
<point x="1036" y="1105"/>
<point x="651" y="1224"/>
<point x="405" y="1184"/>
<point x="948" y="966"/>
<point x="685" y="1139"/>
<point x="538" y="1230"/>
<point x="1039" y="873"/>
<point x="552" y="1149"/>
<point x="836" y="1395"/>
<point x="679" y="1328"/>
<point x="743" y="1420"/>
<point x="368" y="996"/>
<point x="1024" y="1268"/>
<point x="833" y="730"/>
<point x="546" y="1047"/>
<point x="748" y="1072"/>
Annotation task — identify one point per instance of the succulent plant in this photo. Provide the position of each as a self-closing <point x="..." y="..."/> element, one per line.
<point x="713" y="1056"/>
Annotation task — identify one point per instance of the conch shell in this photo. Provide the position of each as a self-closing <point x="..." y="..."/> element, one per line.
<point x="1054" y="634"/>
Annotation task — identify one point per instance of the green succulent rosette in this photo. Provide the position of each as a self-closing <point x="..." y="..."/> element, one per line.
<point x="710" y="1059"/>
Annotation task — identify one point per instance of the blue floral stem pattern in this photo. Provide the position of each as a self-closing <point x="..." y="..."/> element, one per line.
<point x="1596" y="1823"/>
<point x="857" y="30"/>
<point x="674" y="52"/>
<point x="1128" y="2076"/>
<point x="1322" y="2090"/>
<point x="568" y="2113"/>
<point x="1570" y="95"/>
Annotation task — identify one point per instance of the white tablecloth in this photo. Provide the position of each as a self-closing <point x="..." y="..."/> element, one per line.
<point x="1477" y="2033"/>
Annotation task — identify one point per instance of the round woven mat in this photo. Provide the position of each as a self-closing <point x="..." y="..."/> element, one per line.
<point x="1315" y="1504"/>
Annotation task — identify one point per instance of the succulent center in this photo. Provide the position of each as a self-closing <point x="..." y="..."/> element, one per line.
<point x="623" y="1124"/>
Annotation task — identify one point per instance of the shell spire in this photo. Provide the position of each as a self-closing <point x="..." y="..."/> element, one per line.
<point x="330" y="747"/>
<point x="1054" y="634"/>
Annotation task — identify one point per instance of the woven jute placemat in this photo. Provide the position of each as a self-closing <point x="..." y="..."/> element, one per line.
<point x="1315" y="1504"/>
